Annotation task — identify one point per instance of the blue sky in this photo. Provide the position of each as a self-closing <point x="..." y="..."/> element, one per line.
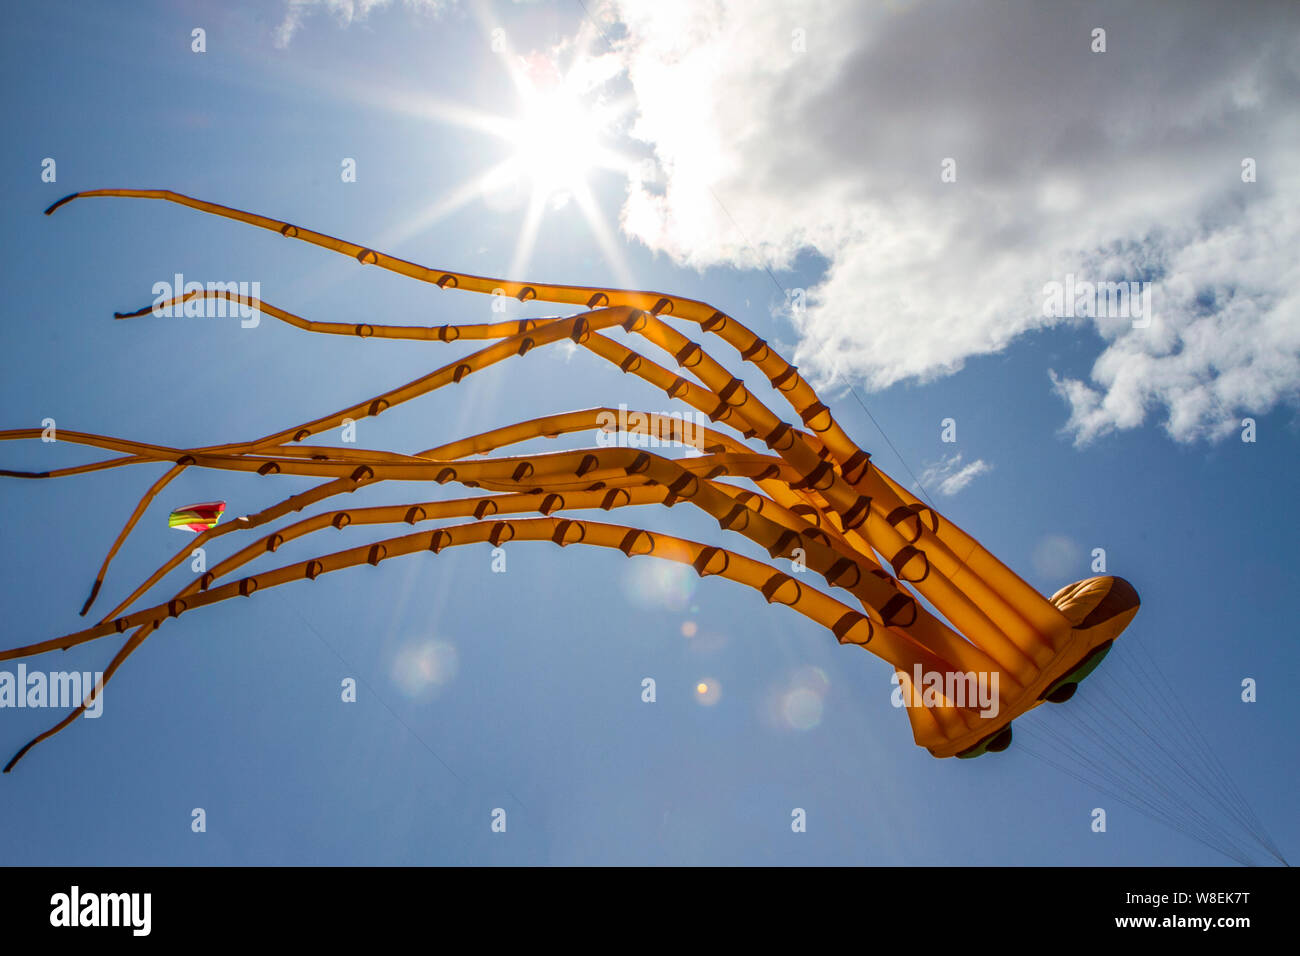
<point x="538" y="710"/>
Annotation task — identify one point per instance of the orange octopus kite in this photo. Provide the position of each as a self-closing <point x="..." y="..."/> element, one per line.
<point x="820" y="502"/>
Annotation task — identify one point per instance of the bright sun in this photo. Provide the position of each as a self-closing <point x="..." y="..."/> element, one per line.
<point x="562" y="131"/>
<point x="556" y="145"/>
<point x="558" y="139"/>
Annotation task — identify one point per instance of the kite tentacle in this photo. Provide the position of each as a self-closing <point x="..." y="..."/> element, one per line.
<point x="802" y="503"/>
<point x="149" y="496"/>
<point x="747" y="343"/>
<point x="579" y="328"/>
<point x="585" y="467"/>
<point x="429" y="333"/>
<point x="478" y="444"/>
<point x="477" y="506"/>
<point x="134" y="641"/>
<point x="879" y="593"/>
<point x="849" y="625"/>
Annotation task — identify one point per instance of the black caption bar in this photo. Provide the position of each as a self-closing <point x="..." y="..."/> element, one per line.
<point x="334" y="905"/>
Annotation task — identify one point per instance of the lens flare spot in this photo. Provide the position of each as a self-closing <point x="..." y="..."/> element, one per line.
<point x="803" y="708"/>
<point x="421" y="668"/>
<point x="708" y="691"/>
<point x="800" y="702"/>
<point x="689" y="628"/>
<point x="659" y="585"/>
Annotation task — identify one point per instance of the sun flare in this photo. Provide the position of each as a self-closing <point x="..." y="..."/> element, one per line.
<point x="556" y="145"/>
<point x="564" y="128"/>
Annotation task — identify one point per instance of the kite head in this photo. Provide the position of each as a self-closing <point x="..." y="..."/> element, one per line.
<point x="1095" y="612"/>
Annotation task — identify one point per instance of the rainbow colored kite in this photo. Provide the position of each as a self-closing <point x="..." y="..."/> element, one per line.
<point x="197" y="518"/>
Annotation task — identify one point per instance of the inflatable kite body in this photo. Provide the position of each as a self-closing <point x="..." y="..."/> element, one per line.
<point x="197" y="518"/>
<point x="851" y="549"/>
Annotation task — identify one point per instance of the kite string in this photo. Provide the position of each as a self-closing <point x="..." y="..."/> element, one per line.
<point x="1130" y="744"/>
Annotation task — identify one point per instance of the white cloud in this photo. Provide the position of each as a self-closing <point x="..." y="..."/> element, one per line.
<point x="950" y="476"/>
<point x="1124" y="164"/>
<point x="822" y="127"/>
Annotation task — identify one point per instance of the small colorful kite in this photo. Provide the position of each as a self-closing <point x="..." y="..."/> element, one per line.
<point x="197" y="518"/>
